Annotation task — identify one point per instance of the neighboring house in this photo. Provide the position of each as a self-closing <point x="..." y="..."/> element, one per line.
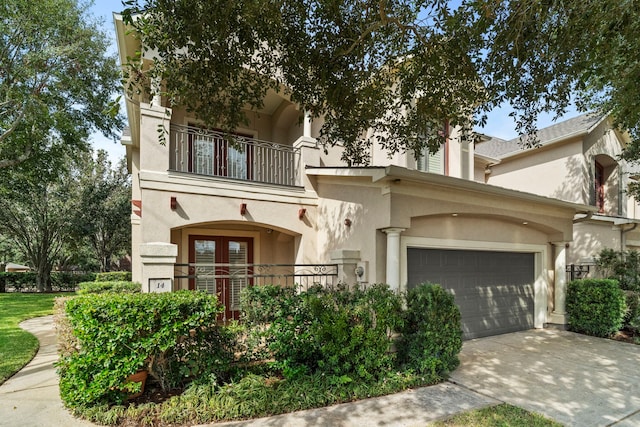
<point x="577" y="160"/>
<point x="12" y="267"/>
<point x="211" y="215"/>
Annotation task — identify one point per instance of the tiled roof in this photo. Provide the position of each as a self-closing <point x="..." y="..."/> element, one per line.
<point x="499" y="148"/>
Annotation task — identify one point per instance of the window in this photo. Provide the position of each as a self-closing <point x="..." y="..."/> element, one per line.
<point x="431" y="162"/>
<point x="599" y="187"/>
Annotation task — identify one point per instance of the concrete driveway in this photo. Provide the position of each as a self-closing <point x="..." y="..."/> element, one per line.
<point x="574" y="379"/>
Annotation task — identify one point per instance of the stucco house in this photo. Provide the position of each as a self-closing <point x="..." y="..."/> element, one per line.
<point x="576" y="160"/>
<point x="211" y="215"/>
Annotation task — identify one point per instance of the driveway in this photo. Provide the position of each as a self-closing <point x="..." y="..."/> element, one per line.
<point x="574" y="379"/>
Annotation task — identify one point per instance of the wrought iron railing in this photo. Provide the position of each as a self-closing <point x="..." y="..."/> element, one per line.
<point x="213" y="153"/>
<point x="228" y="280"/>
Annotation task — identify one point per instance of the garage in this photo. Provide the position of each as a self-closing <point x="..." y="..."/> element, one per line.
<point x="494" y="290"/>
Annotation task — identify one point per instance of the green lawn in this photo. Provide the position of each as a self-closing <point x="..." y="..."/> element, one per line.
<point x="17" y="347"/>
<point x="497" y="416"/>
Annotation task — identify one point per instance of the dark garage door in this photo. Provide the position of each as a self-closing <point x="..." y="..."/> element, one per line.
<point x="494" y="290"/>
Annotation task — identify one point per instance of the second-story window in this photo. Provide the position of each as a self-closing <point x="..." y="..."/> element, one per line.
<point x="599" y="187"/>
<point x="431" y="162"/>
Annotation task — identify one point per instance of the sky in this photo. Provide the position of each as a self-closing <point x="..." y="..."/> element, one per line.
<point x="499" y="124"/>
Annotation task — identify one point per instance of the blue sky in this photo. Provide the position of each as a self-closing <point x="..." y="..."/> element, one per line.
<point x="499" y="123"/>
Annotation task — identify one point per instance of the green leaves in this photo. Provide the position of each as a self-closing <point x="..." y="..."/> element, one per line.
<point x="595" y="306"/>
<point x="119" y="334"/>
<point x="56" y="79"/>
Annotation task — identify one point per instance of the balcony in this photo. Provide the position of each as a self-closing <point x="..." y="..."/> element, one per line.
<point x="238" y="157"/>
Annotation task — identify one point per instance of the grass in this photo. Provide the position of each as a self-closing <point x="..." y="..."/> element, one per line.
<point x="17" y="347"/>
<point x="497" y="416"/>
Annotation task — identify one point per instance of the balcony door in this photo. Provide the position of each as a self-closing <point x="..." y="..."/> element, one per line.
<point x="221" y="265"/>
<point x="214" y="155"/>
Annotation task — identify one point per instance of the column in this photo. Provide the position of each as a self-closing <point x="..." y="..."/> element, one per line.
<point x="559" y="284"/>
<point x="306" y="130"/>
<point x="158" y="261"/>
<point x="393" y="257"/>
<point x="347" y="261"/>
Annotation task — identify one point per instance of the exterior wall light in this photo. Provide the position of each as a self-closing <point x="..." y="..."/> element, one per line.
<point x="174" y="203"/>
<point x="347" y="222"/>
<point x="243" y="209"/>
<point x="301" y="213"/>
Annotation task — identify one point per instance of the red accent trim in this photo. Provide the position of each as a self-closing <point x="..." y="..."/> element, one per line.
<point x="446" y="147"/>
<point x="137" y="203"/>
<point x="137" y="212"/>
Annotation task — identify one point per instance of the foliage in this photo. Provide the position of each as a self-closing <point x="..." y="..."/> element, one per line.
<point x="499" y="415"/>
<point x="595" y="306"/>
<point x="344" y="333"/>
<point x="56" y="80"/>
<point x="356" y="64"/>
<point x="17" y="346"/>
<point x="114" y="276"/>
<point x="36" y="202"/>
<point x="27" y="281"/>
<point x="632" y="317"/>
<point x="173" y="335"/>
<point x="432" y="332"/>
<point x="623" y="266"/>
<point x="252" y="396"/>
<point x="112" y="286"/>
<point x="104" y="222"/>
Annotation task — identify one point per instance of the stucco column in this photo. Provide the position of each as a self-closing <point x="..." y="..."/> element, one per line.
<point x="347" y="261"/>
<point x="306" y="129"/>
<point x="560" y="284"/>
<point x="393" y="257"/>
<point x="158" y="260"/>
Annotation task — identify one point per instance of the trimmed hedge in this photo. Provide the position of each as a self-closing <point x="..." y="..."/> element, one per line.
<point x="343" y="333"/>
<point x="113" y="276"/>
<point x="431" y="331"/>
<point x="26" y="281"/>
<point x="172" y="335"/>
<point x="112" y="286"/>
<point x="595" y="307"/>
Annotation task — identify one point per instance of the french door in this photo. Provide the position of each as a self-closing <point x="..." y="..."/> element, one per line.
<point x="221" y="265"/>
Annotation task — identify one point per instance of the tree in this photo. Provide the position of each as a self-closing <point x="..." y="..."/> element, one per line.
<point x="104" y="219"/>
<point x="398" y="68"/>
<point x="55" y="78"/>
<point x="36" y="201"/>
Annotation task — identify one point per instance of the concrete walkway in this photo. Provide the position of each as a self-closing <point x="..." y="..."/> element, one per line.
<point x="574" y="379"/>
<point x="571" y="378"/>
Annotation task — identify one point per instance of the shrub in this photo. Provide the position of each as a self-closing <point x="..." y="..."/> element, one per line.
<point x="343" y="333"/>
<point x="69" y="281"/>
<point x="622" y="266"/>
<point x="113" y="276"/>
<point x="431" y="333"/>
<point x="632" y="317"/>
<point x="595" y="306"/>
<point x="112" y="287"/>
<point x="173" y="335"/>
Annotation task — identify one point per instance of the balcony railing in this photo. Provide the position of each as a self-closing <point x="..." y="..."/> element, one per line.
<point x="204" y="152"/>
<point x="227" y="280"/>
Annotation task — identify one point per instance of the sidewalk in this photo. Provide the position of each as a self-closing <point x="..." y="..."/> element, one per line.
<point x="31" y="398"/>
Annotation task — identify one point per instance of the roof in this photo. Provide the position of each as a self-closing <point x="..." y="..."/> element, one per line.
<point x="392" y="172"/>
<point x="499" y="148"/>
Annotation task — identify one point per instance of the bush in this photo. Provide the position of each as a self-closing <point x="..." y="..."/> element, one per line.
<point x="113" y="276"/>
<point x="622" y="266"/>
<point x="106" y="287"/>
<point x="632" y="317"/>
<point x="343" y="333"/>
<point x="173" y="335"/>
<point x="595" y="307"/>
<point x="431" y="333"/>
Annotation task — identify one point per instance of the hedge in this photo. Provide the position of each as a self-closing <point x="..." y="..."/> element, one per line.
<point x="60" y="280"/>
<point x="113" y="276"/>
<point x="595" y="307"/>
<point x="431" y="331"/>
<point x="172" y="335"/>
<point x="109" y="286"/>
